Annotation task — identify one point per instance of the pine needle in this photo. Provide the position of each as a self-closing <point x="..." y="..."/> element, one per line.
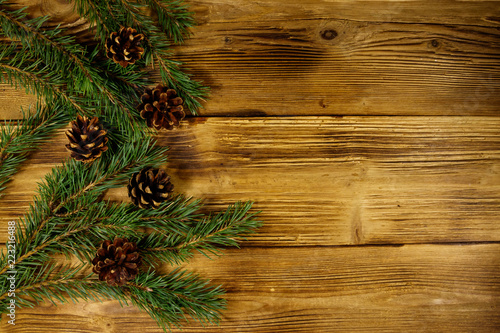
<point x="68" y="216"/>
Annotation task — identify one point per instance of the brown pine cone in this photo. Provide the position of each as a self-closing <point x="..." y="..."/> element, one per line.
<point x="161" y="107"/>
<point x="117" y="262"/>
<point x="149" y="187"/>
<point x="87" y="139"/>
<point x="123" y="46"/>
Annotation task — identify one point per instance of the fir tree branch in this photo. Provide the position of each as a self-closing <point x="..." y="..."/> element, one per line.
<point x="206" y="236"/>
<point x="188" y="89"/>
<point x="44" y="246"/>
<point x="54" y="282"/>
<point x="68" y="216"/>
<point x="173" y="18"/>
<point x="33" y="82"/>
<point x="157" y="47"/>
<point x="131" y="13"/>
<point x="18" y="141"/>
<point x="176" y="296"/>
<point x="110" y="220"/>
<point x="129" y="82"/>
<point x="93" y="14"/>
<point x="33" y="277"/>
<point x="54" y="50"/>
<point x="98" y="178"/>
<point x="191" y="91"/>
<point x="79" y="241"/>
<point x="175" y="215"/>
<point x="62" y="54"/>
<point x="167" y="299"/>
<point x="79" y="234"/>
<point x="42" y="285"/>
<point x="37" y="80"/>
<point x="223" y="229"/>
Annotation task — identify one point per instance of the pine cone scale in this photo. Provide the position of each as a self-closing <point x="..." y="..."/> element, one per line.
<point x="130" y="265"/>
<point x="108" y="262"/>
<point x="132" y="257"/>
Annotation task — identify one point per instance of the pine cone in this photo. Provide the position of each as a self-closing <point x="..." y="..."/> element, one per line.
<point x="149" y="187"/>
<point x="87" y="139"/>
<point x="123" y="46"/>
<point x="161" y="107"/>
<point x="117" y="262"/>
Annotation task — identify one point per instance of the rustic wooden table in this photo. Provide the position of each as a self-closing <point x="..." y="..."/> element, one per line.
<point x="368" y="133"/>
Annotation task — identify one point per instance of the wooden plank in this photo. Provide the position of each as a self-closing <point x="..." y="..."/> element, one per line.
<point x="336" y="57"/>
<point x="62" y="13"/>
<point x="347" y="58"/>
<point x="328" y="180"/>
<point x="482" y="13"/>
<point x="13" y="101"/>
<point x="326" y="183"/>
<point x="468" y="12"/>
<point x="416" y="288"/>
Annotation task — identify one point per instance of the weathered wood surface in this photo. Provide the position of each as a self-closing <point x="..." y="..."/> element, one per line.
<point x="323" y="57"/>
<point x="328" y="180"/>
<point x="412" y="288"/>
<point x="383" y="220"/>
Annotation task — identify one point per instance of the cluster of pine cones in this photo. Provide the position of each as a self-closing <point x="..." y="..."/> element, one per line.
<point x="161" y="107"/>
<point x="87" y="141"/>
<point x="118" y="261"/>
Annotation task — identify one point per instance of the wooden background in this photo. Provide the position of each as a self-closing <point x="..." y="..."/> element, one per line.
<point x="368" y="133"/>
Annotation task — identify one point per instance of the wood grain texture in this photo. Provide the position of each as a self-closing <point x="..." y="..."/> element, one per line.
<point x="413" y="288"/>
<point x="329" y="180"/>
<point x="338" y="58"/>
<point x="368" y="133"/>
<point x="335" y="57"/>
<point x="13" y="101"/>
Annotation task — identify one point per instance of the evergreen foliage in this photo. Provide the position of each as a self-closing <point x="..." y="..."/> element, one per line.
<point x="17" y="140"/>
<point x="68" y="215"/>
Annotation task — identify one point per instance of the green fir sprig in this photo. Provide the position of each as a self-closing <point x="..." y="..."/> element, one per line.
<point x="207" y="236"/>
<point x="107" y="17"/>
<point x="18" y="139"/>
<point x="68" y="215"/>
<point x="174" y="18"/>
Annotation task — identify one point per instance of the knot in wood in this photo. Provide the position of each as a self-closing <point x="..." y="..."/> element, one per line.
<point x="329" y="34"/>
